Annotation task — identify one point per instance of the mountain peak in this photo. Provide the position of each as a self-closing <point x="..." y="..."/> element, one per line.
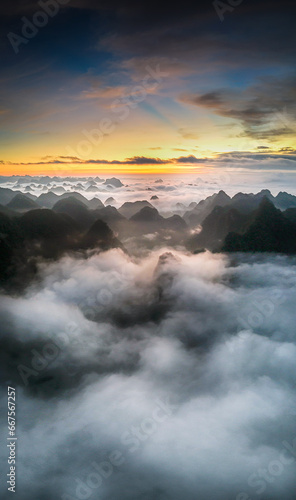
<point x="22" y="202"/>
<point x="147" y="214"/>
<point x="266" y="205"/>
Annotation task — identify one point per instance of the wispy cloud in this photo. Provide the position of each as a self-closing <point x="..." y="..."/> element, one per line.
<point x="266" y="158"/>
<point x="266" y="110"/>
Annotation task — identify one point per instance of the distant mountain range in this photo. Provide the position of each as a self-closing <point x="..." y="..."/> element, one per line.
<point x="244" y="203"/>
<point x="246" y="223"/>
<point x="46" y="227"/>
<point x="268" y="230"/>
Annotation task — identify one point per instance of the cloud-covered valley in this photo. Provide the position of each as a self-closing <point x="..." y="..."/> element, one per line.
<point x="161" y="377"/>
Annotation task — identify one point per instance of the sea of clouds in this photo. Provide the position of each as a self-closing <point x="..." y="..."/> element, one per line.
<point x="158" y="378"/>
<point x="170" y="189"/>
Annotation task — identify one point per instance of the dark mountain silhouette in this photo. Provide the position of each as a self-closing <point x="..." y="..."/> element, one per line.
<point x="130" y="208"/>
<point x="46" y="224"/>
<point x="8" y="225"/>
<point x="22" y="202"/>
<point x="10" y="241"/>
<point x="147" y="214"/>
<point x="91" y="189"/>
<point x="100" y="236"/>
<point x="113" y="182"/>
<point x="149" y="220"/>
<point x="7" y="211"/>
<point x="247" y="203"/>
<point x="114" y="219"/>
<point x="198" y="213"/>
<point x="6" y="253"/>
<point x="45" y="234"/>
<point x="75" y="209"/>
<point x="6" y="195"/>
<point x="284" y="200"/>
<point x="246" y="227"/>
<point x="28" y="233"/>
<point x="244" y="203"/>
<point x="175" y="223"/>
<point x="215" y="228"/>
<point x="110" y="200"/>
<point x="38" y="233"/>
<point x="270" y="231"/>
<point x="31" y="196"/>
<point x="47" y="200"/>
<point x="192" y="204"/>
<point x="290" y="214"/>
<point x="73" y="194"/>
<point x="109" y="214"/>
<point x="95" y="203"/>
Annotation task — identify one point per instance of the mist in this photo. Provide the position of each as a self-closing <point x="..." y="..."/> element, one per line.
<point x="161" y="377"/>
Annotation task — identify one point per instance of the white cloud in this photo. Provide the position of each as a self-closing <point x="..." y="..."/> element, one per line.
<point x="165" y="333"/>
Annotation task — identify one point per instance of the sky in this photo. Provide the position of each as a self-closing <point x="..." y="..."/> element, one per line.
<point x="92" y="87"/>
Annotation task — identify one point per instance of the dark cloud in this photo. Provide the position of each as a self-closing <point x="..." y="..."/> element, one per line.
<point x="266" y="110"/>
<point x="195" y="36"/>
<point x="283" y="158"/>
<point x="192" y="35"/>
<point x="142" y="160"/>
<point x="68" y="160"/>
<point x="191" y="159"/>
<point x="240" y="155"/>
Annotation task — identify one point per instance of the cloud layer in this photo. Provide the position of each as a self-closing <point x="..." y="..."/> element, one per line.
<point x="157" y="378"/>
